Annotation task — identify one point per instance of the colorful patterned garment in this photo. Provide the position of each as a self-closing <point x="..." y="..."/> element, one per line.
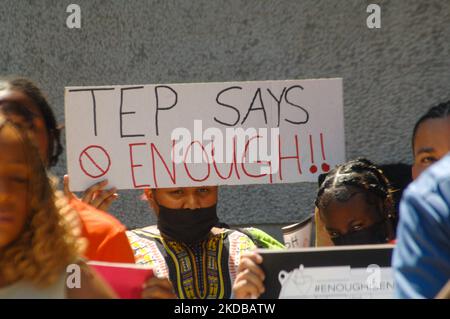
<point x="204" y="270"/>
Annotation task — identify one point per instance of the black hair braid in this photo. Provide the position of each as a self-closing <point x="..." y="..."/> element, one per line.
<point x="360" y="174"/>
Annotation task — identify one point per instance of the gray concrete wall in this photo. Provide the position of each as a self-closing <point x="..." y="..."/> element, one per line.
<point x="391" y="75"/>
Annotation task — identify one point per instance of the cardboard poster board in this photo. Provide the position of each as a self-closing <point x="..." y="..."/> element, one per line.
<point x="175" y="135"/>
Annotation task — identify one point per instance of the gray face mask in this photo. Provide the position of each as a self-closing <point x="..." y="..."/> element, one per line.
<point x="187" y="225"/>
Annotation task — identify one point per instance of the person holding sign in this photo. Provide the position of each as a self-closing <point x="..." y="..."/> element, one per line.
<point x="199" y="259"/>
<point x="37" y="245"/>
<point x="356" y="207"/>
<point x="106" y="235"/>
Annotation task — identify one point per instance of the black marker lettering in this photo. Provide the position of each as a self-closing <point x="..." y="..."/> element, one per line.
<point x="278" y="103"/>
<point x="124" y="113"/>
<point x="163" y="108"/>
<point x="258" y="93"/>
<point x="229" y="106"/>
<point x="94" y="104"/>
<point x="306" y="112"/>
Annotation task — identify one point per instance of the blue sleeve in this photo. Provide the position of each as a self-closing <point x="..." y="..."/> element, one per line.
<point x="421" y="258"/>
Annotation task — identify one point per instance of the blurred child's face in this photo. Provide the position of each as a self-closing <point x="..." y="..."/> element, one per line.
<point x="14" y="177"/>
<point x="354" y="215"/>
<point x="183" y="197"/>
<point x="38" y="128"/>
<point x="431" y="143"/>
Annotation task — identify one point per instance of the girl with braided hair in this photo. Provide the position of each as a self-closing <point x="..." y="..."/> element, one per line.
<point x="355" y="204"/>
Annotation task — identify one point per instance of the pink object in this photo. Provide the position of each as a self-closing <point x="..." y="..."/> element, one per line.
<point x="126" y="280"/>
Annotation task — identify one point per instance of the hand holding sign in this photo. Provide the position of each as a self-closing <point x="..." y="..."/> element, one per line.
<point x="158" y="288"/>
<point x="95" y="195"/>
<point x="250" y="277"/>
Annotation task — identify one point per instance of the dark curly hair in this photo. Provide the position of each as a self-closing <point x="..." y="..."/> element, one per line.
<point x="31" y="90"/>
<point x="359" y="176"/>
<point x="439" y="111"/>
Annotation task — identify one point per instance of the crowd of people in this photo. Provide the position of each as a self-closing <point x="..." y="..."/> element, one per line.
<point x="192" y="253"/>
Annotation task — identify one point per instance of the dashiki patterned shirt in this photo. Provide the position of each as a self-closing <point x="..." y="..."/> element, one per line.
<point x="203" y="270"/>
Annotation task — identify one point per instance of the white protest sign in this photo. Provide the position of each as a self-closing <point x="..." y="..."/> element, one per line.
<point x="175" y="135"/>
<point x="336" y="283"/>
<point x="362" y="271"/>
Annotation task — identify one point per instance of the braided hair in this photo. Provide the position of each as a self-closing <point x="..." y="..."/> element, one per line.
<point x="359" y="176"/>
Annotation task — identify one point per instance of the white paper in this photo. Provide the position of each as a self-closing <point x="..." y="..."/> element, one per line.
<point x="337" y="282"/>
<point x="126" y="139"/>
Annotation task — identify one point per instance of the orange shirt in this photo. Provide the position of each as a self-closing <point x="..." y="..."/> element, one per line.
<point x="107" y="240"/>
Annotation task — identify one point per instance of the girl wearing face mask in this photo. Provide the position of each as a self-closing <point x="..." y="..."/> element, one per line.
<point x="191" y="257"/>
<point x="355" y="204"/>
<point x="356" y="207"/>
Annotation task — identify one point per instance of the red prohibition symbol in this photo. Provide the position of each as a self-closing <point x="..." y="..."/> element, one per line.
<point x="94" y="161"/>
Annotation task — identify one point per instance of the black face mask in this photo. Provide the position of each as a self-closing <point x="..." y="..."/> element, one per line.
<point x="375" y="234"/>
<point x="187" y="225"/>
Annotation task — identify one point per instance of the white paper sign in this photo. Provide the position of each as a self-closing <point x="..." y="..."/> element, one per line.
<point x="175" y="135"/>
<point x="337" y="282"/>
